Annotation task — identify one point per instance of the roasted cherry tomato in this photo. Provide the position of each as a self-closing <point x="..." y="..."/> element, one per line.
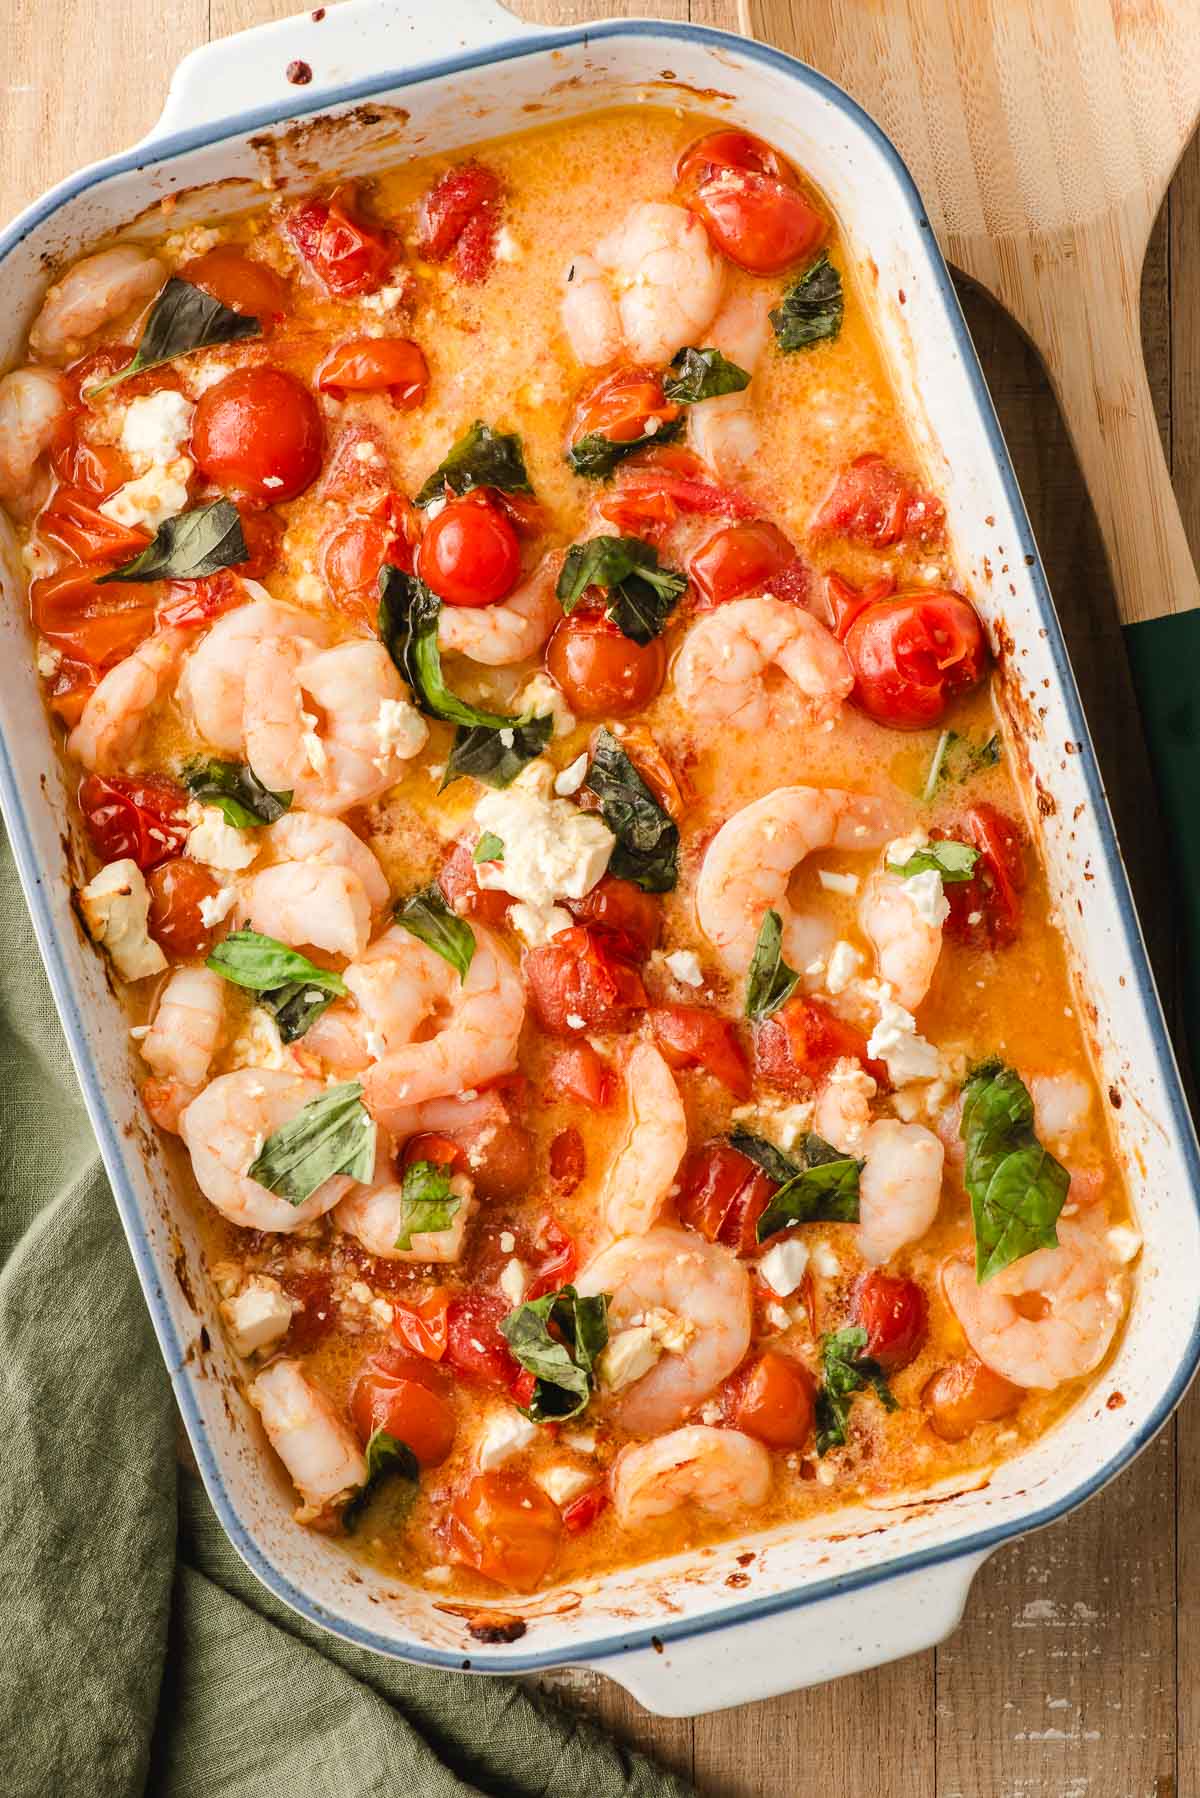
<point x="353" y="556"/>
<point x="104" y="638"/>
<point x="392" y="365"/>
<point x="845" y="601"/>
<point x="568" y="1159"/>
<point x="577" y="1072"/>
<point x="966" y="1393"/>
<point x="431" y="1145"/>
<point x="623" y="406"/>
<point x="498" y="1147"/>
<point x="406" y="1396"/>
<point x="913" y="654"/>
<point x="895" y="1316"/>
<point x="875" y="504"/>
<point x="459" y="883"/>
<point x="506" y="1528"/>
<point x="469" y="554"/>
<point x="739" y="559"/>
<point x="347" y="256"/>
<point x="750" y="201"/>
<point x="73" y="520"/>
<point x="239" y="282"/>
<point x="558" y="1261"/>
<point x="772" y="1399"/>
<point x="93" y="468"/>
<point x="178" y="889"/>
<point x="722" y="1194"/>
<point x="583" y="1511"/>
<point x="474" y="1345"/>
<point x="603" y="673"/>
<point x="986" y="910"/>
<point x="577" y="982"/>
<point x="802" y="1040"/>
<point x="652" y="490"/>
<point x="199" y="602"/>
<point x="143" y="819"/>
<point x="423" y="1326"/>
<point x="691" y="1036"/>
<point x="458" y="220"/>
<point x="258" y="433"/>
<point x="633" y="918"/>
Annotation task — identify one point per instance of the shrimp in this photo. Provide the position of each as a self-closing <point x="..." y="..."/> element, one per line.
<point x="377" y="1214"/>
<point x="906" y="943"/>
<point x="95" y="292"/>
<point x="722" y="1472"/>
<point x="697" y="1281"/>
<point x="186" y="1028"/>
<point x="640" y="1175"/>
<point x="308" y="837"/>
<point x="1061" y="1104"/>
<point x="336" y="1042"/>
<point x="398" y="982"/>
<point x="748" y="865"/>
<point x="308" y="903"/>
<point x="900" y="1187"/>
<point x="33" y="407"/>
<point x="225" y="1128"/>
<point x="511" y="631"/>
<point x="353" y="743"/>
<point x="722" y="672"/>
<point x="664" y="285"/>
<point x="115" y="714"/>
<point x="213" y="684"/>
<point x="843" y="1108"/>
<point x="724" y="430"/>
<point x="480" y="1028"/>
<point x="1044" y="1319"/>
<point x="315" y="1444"/>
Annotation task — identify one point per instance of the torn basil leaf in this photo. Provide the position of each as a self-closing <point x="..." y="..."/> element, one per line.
<point x="392" y="1468"/>
<point x="426" y="1202"/>
<point x="647" y="848"/>
<point x="296" y="1007"/>
<point x="289" y="986"/>
<point x="489" y="848"/>
<point x="481" y="458"/>
<point x="957" y="758"/>
<point x="237" y="793"/>
<point x="822" y="1189"/>
<point x="770" y="983"/>
<point x="702" y="375"/>
<point x="496" y="755"/>
<point x="953" y="861"/>
<point x="332" y="1134"/>
<point x="811" y="309"/>
<point x="183" y="318"/>
<point x="563" y="1363"/>
<point x="640" y="594"/>
<point x="595" y="456"/>
<point x="848" y="1370"/>
<point x="188" y="546"/>
<point x="428" y="917"/>
<point x="1016" y="1187"/>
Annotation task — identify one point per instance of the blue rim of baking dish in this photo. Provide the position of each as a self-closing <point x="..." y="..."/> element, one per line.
<point x="980" y="1542"/>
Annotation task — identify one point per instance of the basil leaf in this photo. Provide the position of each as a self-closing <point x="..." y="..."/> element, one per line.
<point x="595" y="456"/>
<point x="773" y="1162"/>
<point x="564" y="1363"/>
<point x="1017" y="1188"/>
<point x="811" y="309"/>
<point x="826" y="1191"/>
<point x="428" y="917"/>
<point x="482" y="458"/>
<point x="641" y="595"/>
<point x="702" y="375"/>
<point x="183" y="318"/>
<point x="770" y="983"/>
<point x="647" y="850"/>
<point x="237" y="793"/>
<point x="296" y="1007"/>
<point x="188" y="546"/>
<point x="957" y="758"/>
<point x="332" y="1134"/>
<point x="262" y="963"/>
<point x="489" y="848"/>
<point x="392" y="1463"/>
<point x="496" y="756"/>
<point x="847" y="1371"/>
<point x="426" y="1202"/>
<point x="953" y="861"/>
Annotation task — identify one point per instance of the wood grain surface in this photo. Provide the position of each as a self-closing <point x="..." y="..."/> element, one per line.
<point x="1076" y="1672"/>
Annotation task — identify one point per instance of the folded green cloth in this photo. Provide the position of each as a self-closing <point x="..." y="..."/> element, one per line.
<point x="137" y="1653"/>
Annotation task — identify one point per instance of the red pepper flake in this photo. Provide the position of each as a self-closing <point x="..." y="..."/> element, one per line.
<point x="317" y="16"/>
<point x="300" y="73"/>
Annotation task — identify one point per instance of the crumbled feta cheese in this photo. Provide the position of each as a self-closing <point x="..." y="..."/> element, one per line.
<point x="158" y="494"/>
<point x="257" y="1316"/>
<point x="572" y="776"/>
<point x="838" y="883"/>
<point x="562" y="1483"/>
<point x="902" y="849"/>
<point x="536" y="924"/>
<point x="506" y="247"/>
<point x="685" y="966"/>
<point x="139" y="1032"/>
<point x="552" y="850"/>
<point x="783" y="1267"/>
<point x="782" y="1124"/>
<point x="628" y="1355"/>
<point x="508" y="1242"/>
<point x="825" y="1262"/>
<point x="924" y="893"/>
<point x="575" y="1022"/>
<point x="896" y="1041"/>
<point x="258" y="1044"/>
<point x="116" y="907"/>
<point x="155" y="428"/>
<point x="399" y="729"/>
<point x="505" y="1434"/>
<point x="1124" y="1242"/>
<point x="583" y="1442"/>
<point x="217" y="909"/>
<point x="514" y="1278"/>
<point x="540" y="696"/>
<point x="192" y="241"/>
<point x="385" y="299"/>
<point x="671" y="1330"/>
<point x="778" y="1318"/>
<point x="844" y="962"/>
<point x="217" y="843"/>
<point x="49" y="660"/>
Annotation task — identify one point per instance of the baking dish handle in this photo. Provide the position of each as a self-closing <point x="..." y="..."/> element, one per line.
<point x="339" y="44"/>
<point x="805" y="1646"/>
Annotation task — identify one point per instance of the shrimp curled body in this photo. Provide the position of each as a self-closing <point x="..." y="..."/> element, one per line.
<point x="723" y="1472"/>
<point x="212" y="688"/>
<point x="33" y="407"/>
<point x="900" y="1187"/>
<point x="93" y="293"/>
<point x="906" y="944"/>
<point x="722" y="671"/>
<point x="640" y="1174"/>
<point x="650" y="287"/>
<point x="111" y="722"/>
<point x="304" y="1428"/>
<point x="512" y="631"/>
<point x="224" y="1130"/>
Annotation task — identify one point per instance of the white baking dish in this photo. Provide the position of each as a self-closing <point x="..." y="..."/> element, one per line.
<point x="699" y="1631"/>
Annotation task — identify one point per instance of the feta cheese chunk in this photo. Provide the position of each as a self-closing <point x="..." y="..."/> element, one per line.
<point x="844" y="962"/>
<point x="116" y="907"/>
<point x="258" y="1044"/>
<point x="536" y="924"/>
<point x="896" y="1041"/>
<point x="685" y="966"/>
<point x="155" y="428"/>
<point x="257" y="1316"/>
<point x="552" y="850"/>
<point x="217" y="909"/>
<point x="540" y="696"/>
<point x="902" y="849"/>
<point x="563" y="1483"/>
<point x="572" y="776"/>
<point x="924" y="893"/>
<point x="399" y="729"/>
<point x="783" y="1266"/>
<point x="158" y="494"/>
<point x="838" y="883"/>
<point x="825" y="1262"/>
<point x="514" y="1279"/>
<point x="628" y="1355"/>
<point x="1124" y="1242"/>
<point x="217" y="843"/>
<point x="505" y="1434"/>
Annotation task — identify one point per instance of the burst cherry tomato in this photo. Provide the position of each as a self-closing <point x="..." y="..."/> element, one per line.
<point x="577" y="982"/>
<point x="623" y="406"/>
<point x="875" y="504"/>
<point x="356" y="551"/>
<point x="845" y="601"/>
<point x="423" y="1327"/>
<point x="722" y="1194"/>
<point x="391" y="365"/>
<point x="986" y="910"/>
<point x="73" y="520"/>
<point x="689" y="1037"/>
<point x="558" y="1262"/>
<point x="199" y="602"/>
<point x="103" y="638"/>
<point x="913" y="654"/>
<point x="603" y="673"/>
<point x="740" y="558"/>
<point x="632" y="917"/>
<point x="459" y="217"/>
<point x="577" y="1072"/>
<point x="406" y="1396"/>
<point x="652" y="491"/>
<point x="96" y="468"/>
<point x="143" y="819"/>
<point x="474" y="1345"/>
<point x="346" y="255"/>
<point x="239" y="282"/>
<point x="469" y="554"/>
<point x="178" y="889"/>
<point x="258" y="433"/>
<point x="966" y="1393"/>
<point x="802" y="1040"/>
<point x="431" y="1145"/>
<point x="506" y="1528"/>
<point x="750" y="201"/>
<point x="583" y="1511"/>
<point x="772" y="1399"/>
<point x="498" y="1147"/>
<point x="895" y="1316"/>
<point x="459" y="883"/>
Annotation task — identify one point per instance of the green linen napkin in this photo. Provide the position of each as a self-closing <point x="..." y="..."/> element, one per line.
<point x="137" y="1653"/>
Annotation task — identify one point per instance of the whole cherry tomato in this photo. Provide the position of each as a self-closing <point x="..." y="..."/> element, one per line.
<point x="802" y="1040"/>
<point x="772" y="1399"/>
<point x="406" y="1396"/>
<point x="142" y="819"/>
<point x="178" y="889"/>
<point x="913" y="654"/>
<point x="469" y="554"/>
<point x="347" y="256"/>
<point x="506" y="1528"/>
<point x="239" y="282"/>
<point x="691" y="1036"/>
<point x="895" y="1316"/>
<point x="740" y="558"/>
<point x="391" y="365"/>
<point x="577" y="982"/>
<point x="722" y="1194"/>
<point x="602" y="672"/>
<point x="986" y="910"/>
<point x="750" y="201"/>
<point x="965" y="1393"/>
<point x="258" y="434"/>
